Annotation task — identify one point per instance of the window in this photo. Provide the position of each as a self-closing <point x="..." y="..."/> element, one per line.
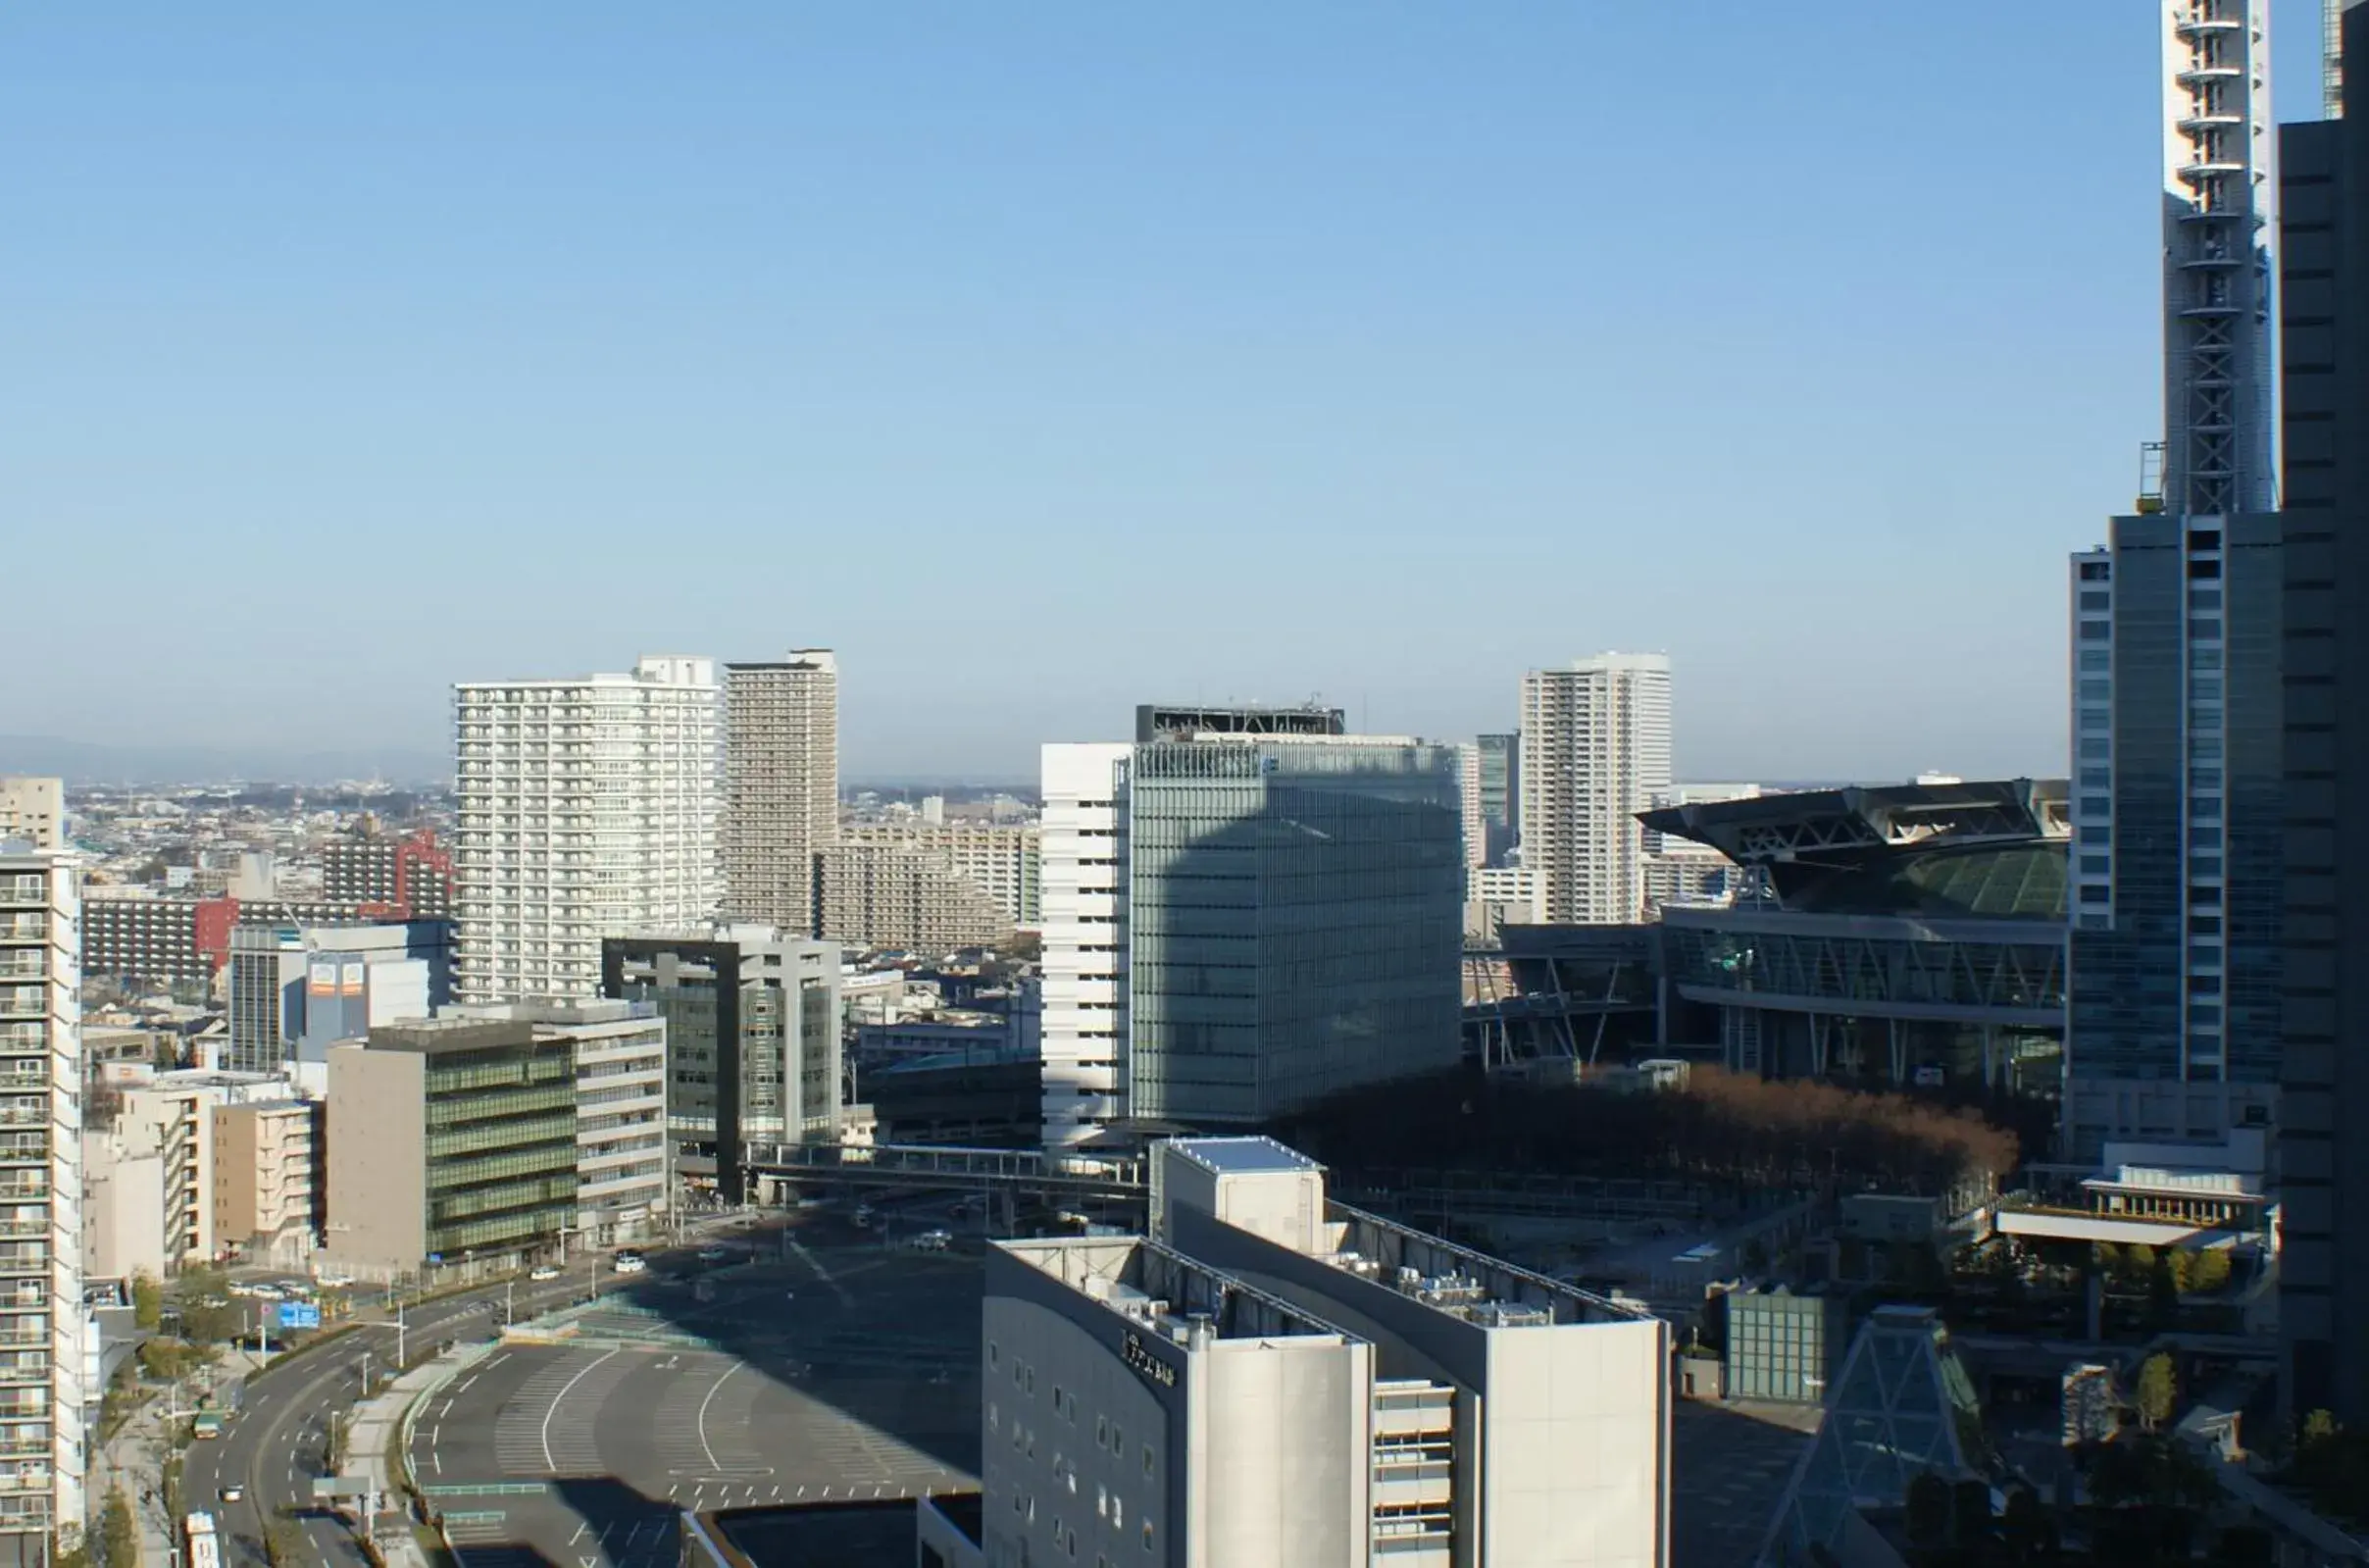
<point x="2097" y="806"/>
<point x="2097" y="777"/>
<point x="2096" y="749"/>
<point x="2204" y="688"/>
<point x="2204" y="570"/>
<point x="2097" y="691"/>
<point x="2098" y="600"/>
<point x="2204" y="925"/>
<point x="2097" y="865"/>
<point x="2094" y="894"/>
<point x="1147" y="1471"/>
<point x="2205" y="539"/>
<point x="2204" y="598"/>
<point x="2096" y="571"/>
<point x="2096" y="631"/>
<point x="2095" y="661"/>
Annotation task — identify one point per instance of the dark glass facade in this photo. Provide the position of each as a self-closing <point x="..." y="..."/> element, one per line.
<point x="1294" y="923"/>
<point x="2324" y="1091"/>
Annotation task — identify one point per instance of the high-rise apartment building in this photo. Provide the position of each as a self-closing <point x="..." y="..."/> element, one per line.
<point x="1239" y="923"/>
<point x="1500" y="793"/>
<point x="2323" y="1162"/>
<point x="780" y="785"/>
<point x="1274" y="1377"/>
<point x="753" y="1015"/>
<point x="587" y="809"/>
<point x="1594" y="752"/>
<point x="42" y="1441"/>
<point x="2173" y="1028"/>
<point x="32" y="811"/>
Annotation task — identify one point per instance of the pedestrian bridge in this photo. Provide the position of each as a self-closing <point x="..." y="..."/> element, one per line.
<point x="1115" y="1176"/>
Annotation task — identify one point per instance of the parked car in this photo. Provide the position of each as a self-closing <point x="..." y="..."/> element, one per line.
<point x="934" y="1240"/>
<point x="628" y="1263"/>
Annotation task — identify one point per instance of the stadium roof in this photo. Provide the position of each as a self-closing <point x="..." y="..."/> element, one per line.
<point x="1841" y="823"/>
<point x="1992" y="847"/>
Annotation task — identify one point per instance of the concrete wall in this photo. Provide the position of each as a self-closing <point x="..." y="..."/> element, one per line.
<point x="1282" y="1467"/>
<point x="376" y="1158"/>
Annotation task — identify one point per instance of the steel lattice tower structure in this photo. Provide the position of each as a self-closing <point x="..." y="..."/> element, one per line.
<point x="2219" y="226"/>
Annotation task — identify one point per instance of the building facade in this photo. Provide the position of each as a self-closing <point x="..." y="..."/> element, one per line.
<point x="623" y="1168"/>
<point x="1275" y="1378"/>
<point x="295" y="990"/>
<point x="753" y="1017"/>
<point x="1594" y="752"/>
<point x="1237" y="925"/>
<point x="406" y="879"/>
<point x="999" y="860"/>
<point x="1898" y="936"/>
<point x="450" y="1138"/>
<point x="2323" y="1172"/>
<point x="1500" y="795"/>
<point x="884" y="894"/>
<point x="268" y="1199"/>
<point x="2174" y="1028"/>
<point x="43" y="1444"/>
<point x="780" y="785"/>
<point x="588" y="808"/>
<point x="33" y="812"/>
<point x="136" y="936"/>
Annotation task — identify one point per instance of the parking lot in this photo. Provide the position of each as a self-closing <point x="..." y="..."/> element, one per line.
<point x="820" y="1362"/>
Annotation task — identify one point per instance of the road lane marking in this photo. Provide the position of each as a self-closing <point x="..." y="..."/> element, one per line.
<point x="551" y="1463"/>
<point x="704" y="1446"/>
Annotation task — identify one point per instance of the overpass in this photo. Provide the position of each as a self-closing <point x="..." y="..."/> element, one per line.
<point x="984" y="1170"/>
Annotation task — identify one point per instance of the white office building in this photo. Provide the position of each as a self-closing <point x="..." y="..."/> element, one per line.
<point x="42" y="1323"/>
<point x="1239" y="923"/>
<point x="1083" y="862"/>
<point x="1273" y="1380"/>
<point x="1595" y="751"/>
<point x="587" y="809"/>
<point x="780" y="785"/>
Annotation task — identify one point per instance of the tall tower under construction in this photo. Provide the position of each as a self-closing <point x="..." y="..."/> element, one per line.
<point x="2173" y="996"/>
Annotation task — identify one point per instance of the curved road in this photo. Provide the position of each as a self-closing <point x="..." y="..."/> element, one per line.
<point x="277" y="1442"/>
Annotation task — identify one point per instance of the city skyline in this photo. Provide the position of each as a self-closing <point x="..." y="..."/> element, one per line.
<point x="1101" y="302"/>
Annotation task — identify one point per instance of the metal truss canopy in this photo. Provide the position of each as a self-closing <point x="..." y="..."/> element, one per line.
<point x="1845" y="825"/>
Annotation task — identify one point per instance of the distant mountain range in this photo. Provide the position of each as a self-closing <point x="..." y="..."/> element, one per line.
<point x="83" y="762"/>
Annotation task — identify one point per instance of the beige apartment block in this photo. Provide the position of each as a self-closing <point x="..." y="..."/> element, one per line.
<point x="267" y="1180"/>
<point x="887" y="895"/>
<point x="32" y="811"/>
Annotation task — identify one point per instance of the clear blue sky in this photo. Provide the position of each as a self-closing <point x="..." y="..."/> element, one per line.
<point x="1046" y="358"/>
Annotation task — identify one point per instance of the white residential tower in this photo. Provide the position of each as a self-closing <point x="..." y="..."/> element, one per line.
<point x="1595" y="751"/>
<point x="587" y="809"/>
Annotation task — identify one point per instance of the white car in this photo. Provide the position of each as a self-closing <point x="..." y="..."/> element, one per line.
<point x="543" y="1272"/>
<point x="627" y="1263"/>
<point x="934" y="1240"/>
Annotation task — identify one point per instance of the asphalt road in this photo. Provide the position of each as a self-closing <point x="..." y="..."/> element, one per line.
<point x="835" y="1368"/>
<point x="277" y="1442"/>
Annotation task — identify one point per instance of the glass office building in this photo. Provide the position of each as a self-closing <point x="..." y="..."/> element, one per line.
<point x="1293" y="922"/>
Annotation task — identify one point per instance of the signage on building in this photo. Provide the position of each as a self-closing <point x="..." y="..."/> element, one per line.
<point x="299" y="1315"/>
<point x="1150" y="1368"/>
